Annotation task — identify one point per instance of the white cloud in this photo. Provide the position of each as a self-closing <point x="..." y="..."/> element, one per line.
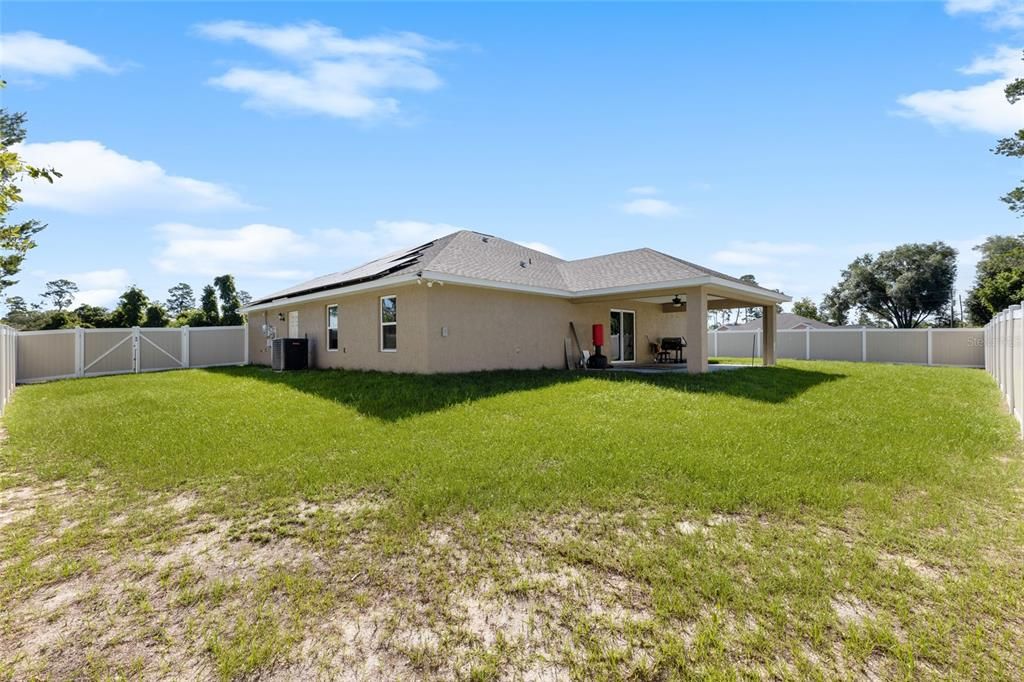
<point x="386" y="236"/>
<point x="542" y="247"/>
<point x="332" y="74"/>
<point x="761" y="253"/>
<point x="253" y="250"/>
<point x="998" y="13"/>
<point x="33" y="54"/>
<point x="95" y="287"/>
<point x="100" y="287"/>
<point x="978" y="107"/>
<point x="312" y="40"/>
<point x="653" y="208"/>
<point x="643" y="189"/>
<point x="97" y="179"/>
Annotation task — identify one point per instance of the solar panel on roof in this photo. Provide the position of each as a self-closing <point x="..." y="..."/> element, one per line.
<point x="368" y="271"/>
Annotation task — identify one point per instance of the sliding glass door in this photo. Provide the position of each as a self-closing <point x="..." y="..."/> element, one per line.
<point x="621" y="341"/>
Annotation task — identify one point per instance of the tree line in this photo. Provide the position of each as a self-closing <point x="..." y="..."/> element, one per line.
<point x="219" y="304"/>
<point x="913" y="286"/>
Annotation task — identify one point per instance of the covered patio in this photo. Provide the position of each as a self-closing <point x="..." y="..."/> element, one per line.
<point x="693" y="300"/>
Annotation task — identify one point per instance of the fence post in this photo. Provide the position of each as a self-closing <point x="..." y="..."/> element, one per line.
<point x="984" y="343"/>
<point x="135" y="349"/>
<point x="79" y="351"/>
<point x="185" y="362"/>
<point x="1000" y="347"/>
<point x="1018" y="363"/>
<point x="863" y="344"/>
<point x="714" y="343"/>
<point x="929" y="346"/>
<point x="997" y="342"/>
<point x="1012" y="365"/>
<point x="757" y="343"/>
<point x="1005" y="366"/>
<point x="807" y="344"/>
<point x="3" y="369"/>
<point x="7" y="340"/>
<point x="1003" y="360"/>
<point x="245" y="340"/>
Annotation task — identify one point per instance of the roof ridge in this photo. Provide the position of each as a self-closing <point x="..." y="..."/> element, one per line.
<point x="607" y="255"/>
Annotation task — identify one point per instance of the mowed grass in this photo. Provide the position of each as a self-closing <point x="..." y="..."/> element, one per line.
<point x="814" y="519"/>
<point x="817" y="434"/>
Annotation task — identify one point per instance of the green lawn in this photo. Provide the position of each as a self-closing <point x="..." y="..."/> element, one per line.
<point x="813" y="519"/>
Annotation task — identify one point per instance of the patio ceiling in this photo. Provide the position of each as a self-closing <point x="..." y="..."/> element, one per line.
<point x="720" y="295"/>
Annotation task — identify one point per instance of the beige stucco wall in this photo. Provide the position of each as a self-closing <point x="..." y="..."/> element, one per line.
<point x="358" y="331"/>
<point x="489" y="329"/>
<point x="486" y="329"/>
<point x="651" y="323"/>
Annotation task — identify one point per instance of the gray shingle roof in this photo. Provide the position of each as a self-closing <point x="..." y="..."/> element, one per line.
<point x="484" y="257"/>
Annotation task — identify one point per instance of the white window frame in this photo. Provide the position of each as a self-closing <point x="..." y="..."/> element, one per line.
<point x="337" y="322"/>
<point x="380" y="317"/>
<point x="294" y="315"/>
<point x="620" y="361"/>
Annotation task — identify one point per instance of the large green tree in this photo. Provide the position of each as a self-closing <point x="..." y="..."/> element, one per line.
<point x="1013" y="146"/>
<point x="21" y="315"/>
<point x="210" y="310"/>
<point x="156" y="316"/>
<point x="180" y="299"/>
<point x="835" y="309"/>
<point x="131" y="308"/>
<point x="230" y="303"/>
<point x="60" y="293"/>
<point x="999" y="278"/>
<point x="92" y="316"/>
<point x="805" y="307"/>
<point x="16" y="238"/>
<point x="904" y="286"/>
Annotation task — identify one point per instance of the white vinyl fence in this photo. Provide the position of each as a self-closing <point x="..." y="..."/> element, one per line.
<point x="8" y="361"/>
<point x="1004" y="357"/>
<point x="933" y="346"/>
<point x="68" y="353"/>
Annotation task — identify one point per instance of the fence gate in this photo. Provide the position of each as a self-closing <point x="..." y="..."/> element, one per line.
<point x="106" y="351"/>
<point x="67" y="353"/>
<point x="159" y="348"/>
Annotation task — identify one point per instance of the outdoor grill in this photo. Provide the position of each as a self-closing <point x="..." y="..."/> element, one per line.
<point x="672" y="344"/>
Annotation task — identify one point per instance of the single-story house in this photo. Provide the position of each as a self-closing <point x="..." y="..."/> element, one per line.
<point x="784" y="322"/>
<point x="470" y="301"/>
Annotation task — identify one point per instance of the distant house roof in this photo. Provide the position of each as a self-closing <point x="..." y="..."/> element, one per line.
<point x="785" y="321"/>
<point x="475" y="258"/>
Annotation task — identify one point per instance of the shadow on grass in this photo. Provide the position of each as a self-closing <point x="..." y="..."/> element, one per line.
<point x="391" y="397"/>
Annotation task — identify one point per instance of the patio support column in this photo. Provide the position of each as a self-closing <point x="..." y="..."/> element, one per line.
<point x="769" y="323"/>
<point x="696" y="330"/>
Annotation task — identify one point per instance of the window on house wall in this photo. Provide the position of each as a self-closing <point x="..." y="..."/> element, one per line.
<point x="293" y="324"/>
<point x="389" y="323"/>
<point x="332" y="327"/>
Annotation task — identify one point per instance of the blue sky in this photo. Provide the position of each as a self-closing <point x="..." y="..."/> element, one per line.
<point x="276" y="141"/>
